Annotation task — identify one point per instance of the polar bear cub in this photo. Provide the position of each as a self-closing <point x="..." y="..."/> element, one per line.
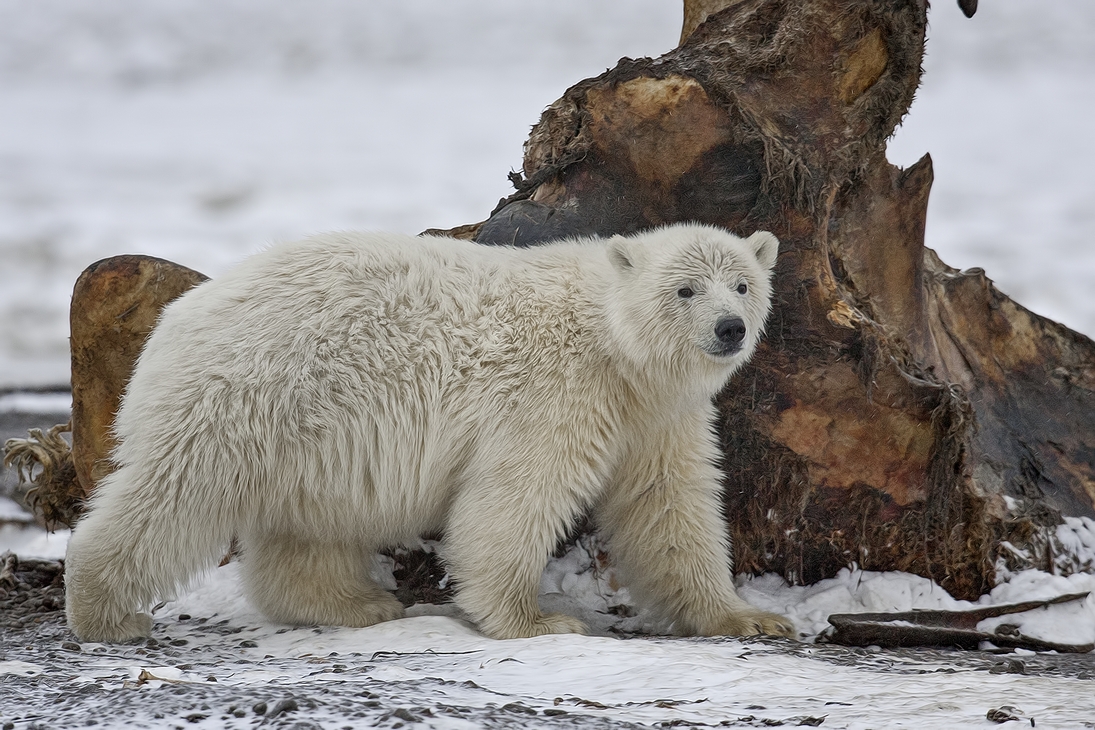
<point x="352" y="391"/>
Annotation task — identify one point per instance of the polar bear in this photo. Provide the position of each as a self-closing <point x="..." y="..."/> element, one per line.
<point x="352" y="391"/>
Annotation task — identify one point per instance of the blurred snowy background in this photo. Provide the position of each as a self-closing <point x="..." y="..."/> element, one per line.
<point x="200" y="130"/>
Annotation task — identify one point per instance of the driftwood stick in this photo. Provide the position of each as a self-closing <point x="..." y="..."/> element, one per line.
<point x="944" y="628"/>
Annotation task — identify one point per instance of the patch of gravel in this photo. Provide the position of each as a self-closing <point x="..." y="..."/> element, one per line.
<point x="30" y="590"/>
<point x="51" y="694"/>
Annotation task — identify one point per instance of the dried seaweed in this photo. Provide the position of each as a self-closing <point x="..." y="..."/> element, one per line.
<point x="52" y="498"/>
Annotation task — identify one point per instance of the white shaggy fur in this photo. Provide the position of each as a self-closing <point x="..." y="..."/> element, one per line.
<point x="333" y="396"/>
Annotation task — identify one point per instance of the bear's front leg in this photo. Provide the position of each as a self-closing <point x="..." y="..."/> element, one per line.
<point x="500" y="534"/>
<point x="663" y="519"/>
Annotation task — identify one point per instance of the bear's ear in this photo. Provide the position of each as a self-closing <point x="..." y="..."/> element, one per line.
<point x="624" y="253"/>
<point x="764" y="246"/>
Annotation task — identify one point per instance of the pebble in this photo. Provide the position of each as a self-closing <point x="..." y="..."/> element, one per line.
<point x="288" y="705"/>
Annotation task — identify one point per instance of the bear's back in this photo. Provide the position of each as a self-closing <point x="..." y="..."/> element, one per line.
<point x="442" y="303"/>
<point x="343" y="319"/>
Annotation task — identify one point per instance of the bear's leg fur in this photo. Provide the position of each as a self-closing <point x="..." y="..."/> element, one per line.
<point x="298" y="581"/>
<point x="666" y="531"/>
<point x="498" y="540"/>
<point x="129" y="551"/>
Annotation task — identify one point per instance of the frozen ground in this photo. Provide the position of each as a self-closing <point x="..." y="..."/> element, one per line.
<point x="200" y="131"/>
<point x="213" y="660"/>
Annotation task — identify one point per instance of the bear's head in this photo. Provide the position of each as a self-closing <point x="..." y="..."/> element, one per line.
<point x="691" y="298"/>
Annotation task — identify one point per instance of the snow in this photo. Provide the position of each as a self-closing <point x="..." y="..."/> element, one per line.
<point x="31" y="542"/>
<point x="434" y="659"/>
<point x="200" y="132"/>
<point x="12" y="511"/>
<point x="702" y="682"/>
<point x="36" y="402"/>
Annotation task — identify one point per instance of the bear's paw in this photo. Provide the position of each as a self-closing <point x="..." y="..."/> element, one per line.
<point x="753" y="623"/>
<point x="367" y="612"/>
<point x="550" y="623"/>
<point x="130" y="628"/>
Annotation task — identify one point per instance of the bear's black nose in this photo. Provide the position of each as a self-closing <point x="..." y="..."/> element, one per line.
<point x="730" y="331"/>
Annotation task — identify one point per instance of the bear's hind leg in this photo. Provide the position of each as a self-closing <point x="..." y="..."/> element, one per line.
<point x="105" y="600"/>
<point x="141" y="540"/>
<point x="304" y="582"/>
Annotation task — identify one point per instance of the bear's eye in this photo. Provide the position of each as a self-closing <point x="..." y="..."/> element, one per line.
<point x="685" y="292"/>
<point x="743" y="288"/>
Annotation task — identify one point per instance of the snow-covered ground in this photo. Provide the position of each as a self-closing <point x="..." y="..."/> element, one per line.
<point x="217" y="654"/>
<point x="200" y="131"/>
<point x="214" y="658"/>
